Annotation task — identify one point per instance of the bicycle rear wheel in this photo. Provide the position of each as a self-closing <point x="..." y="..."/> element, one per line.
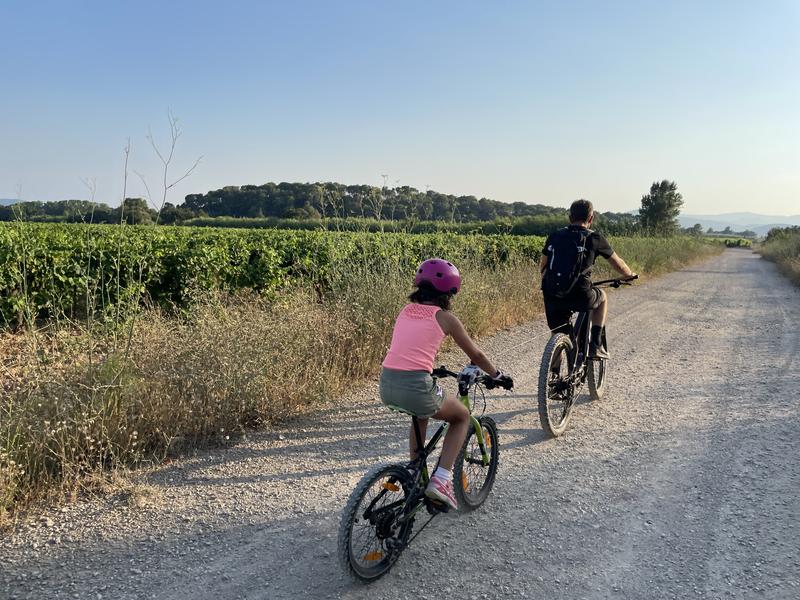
<point x="472" y="480"/>
<point x="371" y="535"/>
<point x="555" y="389"/>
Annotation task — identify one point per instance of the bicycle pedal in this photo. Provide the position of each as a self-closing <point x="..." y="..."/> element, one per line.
<point x="436" y="506"/>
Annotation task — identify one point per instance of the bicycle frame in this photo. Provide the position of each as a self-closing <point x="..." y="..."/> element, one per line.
<point x="393" y="522"/>
<point x="580" y="334"/>
<point x="580" y="339"/>
<point x="421" y="462"/>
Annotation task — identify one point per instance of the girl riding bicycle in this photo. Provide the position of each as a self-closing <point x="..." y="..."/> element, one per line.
<point x="406" y="382"/>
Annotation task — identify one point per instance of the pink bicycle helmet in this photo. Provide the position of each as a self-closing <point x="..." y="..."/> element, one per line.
<point x="442" y="275"/>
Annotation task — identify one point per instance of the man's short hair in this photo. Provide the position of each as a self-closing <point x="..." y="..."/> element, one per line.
<point x="580" y="211"/>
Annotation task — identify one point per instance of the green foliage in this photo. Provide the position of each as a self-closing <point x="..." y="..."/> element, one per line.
<point x="327" y="206"/>
<point x="660" y="208"/>
<point x="540" y="225"/>
<point x="80" y="211"/>
<point x="55" y="270"/>
<point x="696" y="230"/>
<point x="50" y="270"/>
<point x="782" y="246"/>
<point x="335" y="200"/>
<point x="738" y="243"/>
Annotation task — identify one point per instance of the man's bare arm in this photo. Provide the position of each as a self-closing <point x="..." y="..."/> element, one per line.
<point x="542" y="264"/>
<point x="620" y="266"/>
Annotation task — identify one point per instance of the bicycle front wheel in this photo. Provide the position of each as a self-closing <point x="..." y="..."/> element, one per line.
<point x="596" y="378"/>
<point x="555" y="388"/>
<point x="473" y="480"/>
<point x="372" y="533"/>
<point x="596" y="375"/>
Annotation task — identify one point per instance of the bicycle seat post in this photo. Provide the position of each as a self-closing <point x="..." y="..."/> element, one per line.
<point x="420" y="444"/>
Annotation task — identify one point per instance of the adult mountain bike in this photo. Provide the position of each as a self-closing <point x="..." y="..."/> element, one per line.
<point x="566" y="366"/>
<point x="380" y="514"/>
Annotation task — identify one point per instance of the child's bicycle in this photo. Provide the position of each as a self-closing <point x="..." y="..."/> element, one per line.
<point x="566" y="367"/>
<point x="379" y="515"/>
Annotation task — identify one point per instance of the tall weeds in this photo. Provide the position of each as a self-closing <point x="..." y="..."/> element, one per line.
<point x="782" y="246"/>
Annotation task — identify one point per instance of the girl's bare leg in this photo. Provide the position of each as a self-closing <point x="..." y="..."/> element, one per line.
<point x="457" y="415"/>
<point x="412" y="438"/>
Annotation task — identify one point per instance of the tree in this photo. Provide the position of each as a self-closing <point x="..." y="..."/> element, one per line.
<point x="660" y="208"/>
<point x="135" y="211"/>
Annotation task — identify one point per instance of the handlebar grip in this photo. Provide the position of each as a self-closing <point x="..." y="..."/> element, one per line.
<point x="505" y="382"/>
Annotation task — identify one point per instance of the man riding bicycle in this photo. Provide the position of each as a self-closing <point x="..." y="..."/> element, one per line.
<point x="566" y="267"/>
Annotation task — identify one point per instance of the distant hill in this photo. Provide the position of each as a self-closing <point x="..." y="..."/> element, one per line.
<point x="8" y="201"/>
<point x="740" y="221"/>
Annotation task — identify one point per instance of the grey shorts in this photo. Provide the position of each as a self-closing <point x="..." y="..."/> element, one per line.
<point x="414" y="392"/>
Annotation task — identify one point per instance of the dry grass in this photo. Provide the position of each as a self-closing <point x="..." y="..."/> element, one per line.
<point x="784" y="250"/>
<point x="73" y="408"/>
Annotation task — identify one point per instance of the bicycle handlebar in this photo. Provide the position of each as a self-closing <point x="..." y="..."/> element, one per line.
<point x="443" y="372"/>
<point x="615" y="282"/>
<point x="486" y="380"/>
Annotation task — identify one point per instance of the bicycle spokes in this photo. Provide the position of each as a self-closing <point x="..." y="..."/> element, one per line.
<point x="376" y="522"/>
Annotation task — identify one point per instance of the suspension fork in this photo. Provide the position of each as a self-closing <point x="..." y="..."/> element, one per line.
<point x="476" y="425"/>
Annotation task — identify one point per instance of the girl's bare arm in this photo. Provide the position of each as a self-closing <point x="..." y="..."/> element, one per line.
<point x="453" y="327"/>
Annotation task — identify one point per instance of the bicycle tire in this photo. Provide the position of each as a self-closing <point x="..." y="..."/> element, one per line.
<point x="472" y="480"/>
<point x="596" y="379"/>
<point x="554" y="412"/>
<point x="370" y="561"/>
<point x="596" y="374"/>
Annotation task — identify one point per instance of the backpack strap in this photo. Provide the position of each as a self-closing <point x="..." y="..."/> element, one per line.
<point x="587" y="268"/>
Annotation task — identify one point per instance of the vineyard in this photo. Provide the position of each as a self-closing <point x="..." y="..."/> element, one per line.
<point x="47" y="270"/>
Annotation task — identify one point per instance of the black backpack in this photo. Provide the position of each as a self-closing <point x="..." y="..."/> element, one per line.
<point x="566" y="262"/>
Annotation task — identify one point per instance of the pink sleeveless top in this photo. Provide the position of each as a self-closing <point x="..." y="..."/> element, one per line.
<point x="416" y="339"/>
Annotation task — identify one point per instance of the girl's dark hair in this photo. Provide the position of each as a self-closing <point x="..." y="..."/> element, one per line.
<point x="427" y="294"/>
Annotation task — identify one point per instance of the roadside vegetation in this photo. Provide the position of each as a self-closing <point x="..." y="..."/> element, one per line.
<point x="782" y="246"/>
<point x="174" y="347"/>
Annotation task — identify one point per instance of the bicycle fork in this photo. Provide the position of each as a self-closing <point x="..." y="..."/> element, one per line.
<point x="476" y="425"/>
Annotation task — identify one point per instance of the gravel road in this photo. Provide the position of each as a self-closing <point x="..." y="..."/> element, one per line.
<point x="683" y="482"/>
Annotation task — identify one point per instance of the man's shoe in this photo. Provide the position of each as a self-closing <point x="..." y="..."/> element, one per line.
<point x="598" y="352"/>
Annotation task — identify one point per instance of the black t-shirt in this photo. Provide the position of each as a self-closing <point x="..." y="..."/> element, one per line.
<point x="596" y="245"/>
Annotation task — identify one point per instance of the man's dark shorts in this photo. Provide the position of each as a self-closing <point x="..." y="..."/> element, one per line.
<point x="559" y="310"/>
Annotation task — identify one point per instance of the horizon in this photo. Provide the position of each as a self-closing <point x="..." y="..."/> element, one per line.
<point x="538" y="104"/>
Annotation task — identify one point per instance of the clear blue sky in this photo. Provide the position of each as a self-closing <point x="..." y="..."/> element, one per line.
<point x="539" y="102"/>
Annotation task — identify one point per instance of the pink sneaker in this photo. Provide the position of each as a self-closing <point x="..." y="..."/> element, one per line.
<point x="441" y="490"/>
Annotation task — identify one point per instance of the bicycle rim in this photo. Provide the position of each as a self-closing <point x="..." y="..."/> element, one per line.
<point x="555" y="391"/>
<point x="472" y="479"/>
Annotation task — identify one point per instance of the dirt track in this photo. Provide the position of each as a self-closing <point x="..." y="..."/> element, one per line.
<point x="684" y="482"/>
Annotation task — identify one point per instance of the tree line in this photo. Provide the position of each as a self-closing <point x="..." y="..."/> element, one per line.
<point x="349" y="206"/>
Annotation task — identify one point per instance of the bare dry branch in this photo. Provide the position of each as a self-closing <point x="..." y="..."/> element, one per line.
<point x="147" y="188"/>
<point x="127" y="152"/>
<point x="189" y="172"/>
